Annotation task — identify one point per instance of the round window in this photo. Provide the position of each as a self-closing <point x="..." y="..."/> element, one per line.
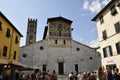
<point x="41" y="48"/>
<point x="78" y="49"/>
<point x="90" y="58"/>
<point x="24" y="55"/>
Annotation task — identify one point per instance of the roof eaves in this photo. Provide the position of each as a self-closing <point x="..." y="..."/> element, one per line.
<point x="84" y="45"/>
<point x="94" y="19"/>
<point x="54" y="18"/>
<point x="10" y="23"/>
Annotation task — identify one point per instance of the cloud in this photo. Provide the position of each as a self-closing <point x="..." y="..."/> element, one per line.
<point x="94" y="43"/>
<point x="105" y="2"/>
<point x="84" y="14"/>
<point x="86" y="5"/>
<point x="94" y="5"/>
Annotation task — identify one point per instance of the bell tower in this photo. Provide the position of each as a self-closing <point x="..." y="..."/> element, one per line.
<point x="31" y="31"/>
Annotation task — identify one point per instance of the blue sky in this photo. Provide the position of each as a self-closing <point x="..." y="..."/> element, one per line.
<point x="79" y="11"/>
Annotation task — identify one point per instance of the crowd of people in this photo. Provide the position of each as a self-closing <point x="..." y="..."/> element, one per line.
<point x="101" y="74"/>
<point x="83" y="76"/>
<point x="38" y="75"/>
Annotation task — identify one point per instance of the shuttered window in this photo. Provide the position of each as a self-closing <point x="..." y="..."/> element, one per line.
<point x="117" y="27"/>
<point x="107" y="51"/>
<point x="0" y="26"/>
<point x="118" y="47"/>
<point x="101" y="20"/>
<point x="14" y="56"/>
<point x="5" y="51"/>
<point x="113" y="11"/>
<point x="104" y="35"/>
<point x="8" y="33"/>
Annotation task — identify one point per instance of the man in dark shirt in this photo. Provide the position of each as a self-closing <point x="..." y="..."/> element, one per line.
<point x="116" y="75"/>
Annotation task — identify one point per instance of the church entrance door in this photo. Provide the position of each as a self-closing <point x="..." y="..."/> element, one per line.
<point x="60" y="68"/>
<point x="44" y="68"/>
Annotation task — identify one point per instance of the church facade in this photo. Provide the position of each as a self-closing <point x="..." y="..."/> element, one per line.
<point x="57" y="50"/>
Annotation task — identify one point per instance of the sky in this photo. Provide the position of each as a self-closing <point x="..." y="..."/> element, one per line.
<point x="79" y="11"/>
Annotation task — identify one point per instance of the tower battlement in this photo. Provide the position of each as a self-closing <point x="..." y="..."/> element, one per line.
<point x="32" y="20"/>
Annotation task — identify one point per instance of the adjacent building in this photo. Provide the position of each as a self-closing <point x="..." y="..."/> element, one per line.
<point x="9" y="46"/>
<point x="57" y="50"/>
<point x="108" y="25"/>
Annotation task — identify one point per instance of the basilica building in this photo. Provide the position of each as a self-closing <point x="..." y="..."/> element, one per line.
<point x="57" y="50"/>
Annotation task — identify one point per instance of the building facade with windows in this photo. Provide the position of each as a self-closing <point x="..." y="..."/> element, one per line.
<point x="108" y="25"/>
<point x="9" y="44"/>
<point x="58" y="51"/>
<point x="9" y="40"/>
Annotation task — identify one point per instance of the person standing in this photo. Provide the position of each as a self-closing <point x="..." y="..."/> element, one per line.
<point x="116" y="74"/>
<point x="54" y="75"/>
<point x="33" y="75"/>
<point x="71" y="76"/>
<point x="1" y="76"/>
<point x="17" y="75"/>
<point x="109" y="75"/>
<point x="101" y="74"/>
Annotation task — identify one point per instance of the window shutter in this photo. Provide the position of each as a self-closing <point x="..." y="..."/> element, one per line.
<point x="110" y="50"/>
<point x="118" y="47"/>
<point x="113" y="11"/>
<point x="117" y="27"/>
<point x="104" y="35"/>
<point x="8" y="32"/>
<point x="0" y="26"/>
<point x="5" y="51"/>
<point x="101" y="20"/>
<point x="16" y="40"/>
<point x="104" y="52"/>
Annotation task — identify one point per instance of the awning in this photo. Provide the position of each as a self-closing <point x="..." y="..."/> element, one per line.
<point x="21" y="67"/>
<point x="3" y="61"/>
<point x="15" y="65"/>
